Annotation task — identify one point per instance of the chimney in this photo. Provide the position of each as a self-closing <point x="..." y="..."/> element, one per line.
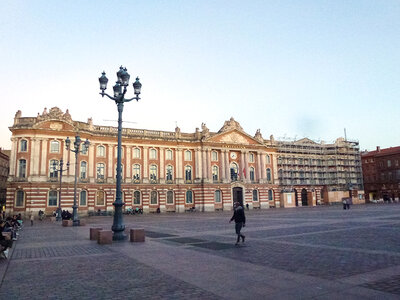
<point x="378" y="148"/>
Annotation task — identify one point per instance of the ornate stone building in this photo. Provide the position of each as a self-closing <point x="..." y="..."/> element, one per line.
<point x="4" y="168"/>
<point x="170" y="171"/>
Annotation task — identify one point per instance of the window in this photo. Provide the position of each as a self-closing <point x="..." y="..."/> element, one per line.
<point x="188" y="155"/>
<point x="168" y="173"/>
<point x="136" y="153"/>
<point x="83" y="198"/>
<point x="270" y="195"/>
<point x="136" y="198"/>
<point x="251" y="173"/>
<point x="153" y="174"/>
<point x="255" y="195"/>
<point x="101" y="151"/>
<point x="54" y="146"/>
<point x="168" y="154"/>
<point x="83" y="170"/>
<point x="136" y="173"/>
<point x="214" y="156"/>
<point x="53" y="198"/>
<point x="188" y="173"/>
<point x="251" y="157"/>
<point x="20" y="198"/>
<point x="269" y="178"/>
<point x="215" y="173"/>
<point x="100" y="171"/>
<point x="84" y="149"/>
<point x="22" y="168"/>
<point x="170" y="197"/>
<point x="100" y="198"/>
<point x="153" y="154"/>
<point x="153" y="197"/>
<point x="268" y="159"/>
<point x="389" y="163"/>
<point x="217" y="196"/>
<point x="234" y="172"/>
<point x="189" y="197"/>
<point x="53" y="168"/>
<point x="23" y="146"/>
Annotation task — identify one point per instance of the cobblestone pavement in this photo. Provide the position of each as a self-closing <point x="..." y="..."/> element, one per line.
<point x="306" y="253"/>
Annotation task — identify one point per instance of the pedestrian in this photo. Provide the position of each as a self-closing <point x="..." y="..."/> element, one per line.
<point x="240" y="221"/>
<point x="32" y="218"/>
<point x="247" y="206"/>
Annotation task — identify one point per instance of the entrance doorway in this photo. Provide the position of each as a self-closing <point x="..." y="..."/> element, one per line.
<point x="304" y="200"/>
<point x="296" y="198"/>
<point x="237" y="193"/>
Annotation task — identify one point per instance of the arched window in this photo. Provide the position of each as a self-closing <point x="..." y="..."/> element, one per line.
<point x="20" y="198"/>
<point x="270" y="195"/>
<point x="269" y="174"/>
<point x="100" y="199"/>
<point x="153" y="154"/>
<point x="83" y="170"/>
<point x="215" y="173"/>
<point x="116" y="152"/>
<point x="188" y="155"/>
<point x="255" y="195"/>
<point x="188" y="173"/>
<point x="101" y="151"/>
<point x="189" y="197"/>
<point x="217" y="196"/>
<point x="153" y="197"/>
<point x="136" y="173"/>
<point x="251" y="173"/>
<point x="170" y="197"/>
<point x="53" y="168"/>
<point x="136" y="153"/>
<point x="169" y="173"/>
<point x="53" y="198"/>
<point x="153" y="174"/>
<point x="83" y="198"/>
<point x="168" y="154"/>
<point x="279" y="160"/>
<point x="268" y="159"/>
<point x="22" y="168"/>
<point x="234" y="172"/>
<point x="23" y="146"/>
<point x="84" y="149"/>
<point x="100" y="171"/>
<point x="54" y="146"/>
<point x="136" y="198"/>
<point x="214" y="156"/>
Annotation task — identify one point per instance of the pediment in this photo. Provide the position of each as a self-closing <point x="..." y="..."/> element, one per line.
<point x="305" y="141"/>
<point x="233" y="137"/>
<point x="54" y="125"/>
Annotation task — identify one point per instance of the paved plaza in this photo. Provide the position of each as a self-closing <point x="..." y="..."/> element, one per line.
<point x="300" y="253"/>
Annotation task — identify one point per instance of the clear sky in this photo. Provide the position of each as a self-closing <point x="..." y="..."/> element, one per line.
<point x="291" y="68"/>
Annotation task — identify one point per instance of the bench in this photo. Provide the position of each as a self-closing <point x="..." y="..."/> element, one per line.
<point x="137" y="235"/>
<point x="104" y="237"/>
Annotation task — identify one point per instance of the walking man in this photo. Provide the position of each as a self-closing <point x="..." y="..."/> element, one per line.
<point x="240" y="221"/>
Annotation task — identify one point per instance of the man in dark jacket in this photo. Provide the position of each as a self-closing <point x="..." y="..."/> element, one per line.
<point x="240" y="221"/>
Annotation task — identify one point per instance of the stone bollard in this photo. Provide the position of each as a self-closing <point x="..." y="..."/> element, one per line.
<point x="67" y="223"/>
<point x="94" y="233"/>
<point x="137" y="235"/>
<point x="104" y="237"/>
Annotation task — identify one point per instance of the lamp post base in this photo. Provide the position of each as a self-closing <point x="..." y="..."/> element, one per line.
<point x="58" y="214"/>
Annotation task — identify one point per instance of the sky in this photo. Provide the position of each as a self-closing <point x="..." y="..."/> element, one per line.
<point x="292" y="69"/>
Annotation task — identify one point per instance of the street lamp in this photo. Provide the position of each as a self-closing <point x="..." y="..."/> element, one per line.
<point x="61" y="170"/>
<point x="119" y="97"/>
<point x="76" y="150"/>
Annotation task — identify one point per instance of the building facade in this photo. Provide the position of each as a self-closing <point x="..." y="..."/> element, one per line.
<point x="170" y="171"/>
<point x="381" y="171"/>
<point x="320" y="173"/>
<point x="4" y="169"/>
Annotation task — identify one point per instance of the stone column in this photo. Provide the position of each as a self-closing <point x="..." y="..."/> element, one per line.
<point x="91" y="166"/>
<point x="243" y="154"/>
<point x="13" y="157"/>
<point x="128" y="166"/>
<point x="162" y="167"/>
<point x="43" y="163"/>
<point x="204" y="163"/>
<point x="34" y="168"/>
<point x="110" y="165"/>
<point x="179" y="163"/>
<point x="198" y="164"/>
<point x="274" y="171"/>
<point x="209" y="168"/>
<point x="228" y="169"/>
<point x="145" y="164"/>
<point x="259" y="166"/>
<point x="263" y="171"/>
<point x="246" y="165"/>
<point x="223" y="167"/>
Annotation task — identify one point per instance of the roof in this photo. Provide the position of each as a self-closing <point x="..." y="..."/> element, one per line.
<point x="382" y="152"/>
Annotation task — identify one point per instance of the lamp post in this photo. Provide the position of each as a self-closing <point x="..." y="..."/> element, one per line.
<point x="119" y="97"/>
<point x="76" y="150"/>
<point x="61" y="170"/>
